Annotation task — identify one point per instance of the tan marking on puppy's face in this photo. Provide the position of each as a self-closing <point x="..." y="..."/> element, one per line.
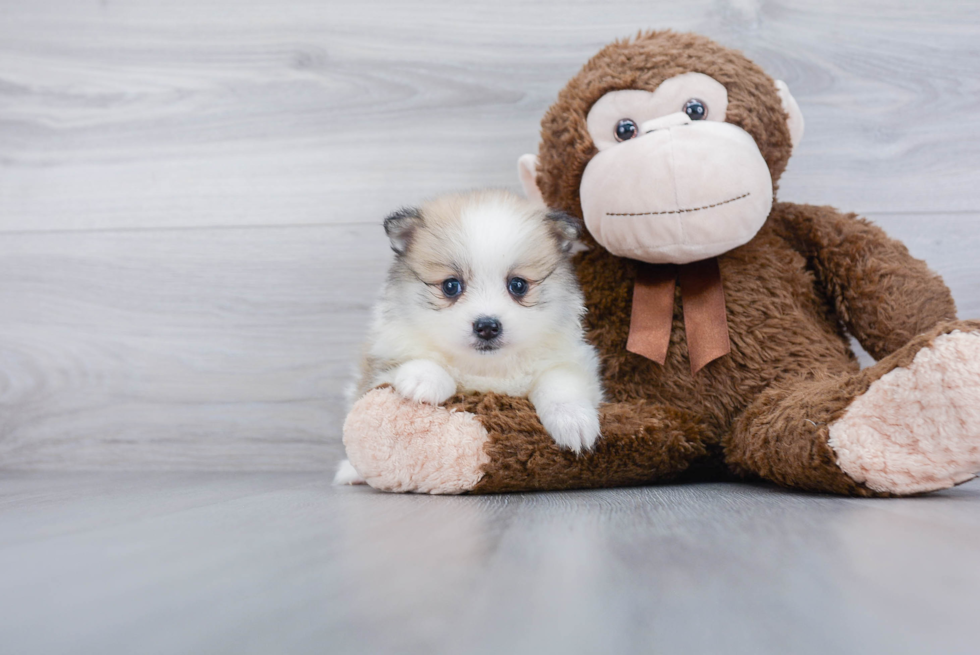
<point x="488" y="255"/>
<point x="458" y="240"/>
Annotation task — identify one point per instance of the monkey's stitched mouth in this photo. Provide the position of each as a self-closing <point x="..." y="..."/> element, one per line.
<point x="682" y="211"/>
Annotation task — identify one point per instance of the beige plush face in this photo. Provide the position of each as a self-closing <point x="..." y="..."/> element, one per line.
<point x="672" y="181"/>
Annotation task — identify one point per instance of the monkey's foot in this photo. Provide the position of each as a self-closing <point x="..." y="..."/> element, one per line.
<point x="399" y="445"/>
<point x="917" y="428"/>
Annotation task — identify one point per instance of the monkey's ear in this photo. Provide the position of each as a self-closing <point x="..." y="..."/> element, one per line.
<point x="795" y="121"/>
<point x="565" y="227"/>
<point x="400" y="226"/>
<point x="527" y="170"/>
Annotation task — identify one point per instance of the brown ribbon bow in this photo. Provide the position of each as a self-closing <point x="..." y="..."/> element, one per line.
<point x="703" y="300"/>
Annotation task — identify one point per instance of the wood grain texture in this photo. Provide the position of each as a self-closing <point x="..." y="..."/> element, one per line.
<point x="137" y="114"/>
<point x="190" y="193"/>
<point x="219" y="349"/>
<point x="283" y="563"/>
<point x="226" y="348"/>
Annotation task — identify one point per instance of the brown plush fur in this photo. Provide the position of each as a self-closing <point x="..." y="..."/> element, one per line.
<point x="644" y="63"/>
<point x="642" y="443"/>
<point x="782" y="436"/>
<point x="810" y="274"/>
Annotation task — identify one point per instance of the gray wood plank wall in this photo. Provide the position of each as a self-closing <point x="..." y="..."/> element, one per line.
<point x="190" y="192"/>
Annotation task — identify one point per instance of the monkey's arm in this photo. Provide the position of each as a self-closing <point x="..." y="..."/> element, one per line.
<point x="883" y="295"/>
<point x="488" y="443"/>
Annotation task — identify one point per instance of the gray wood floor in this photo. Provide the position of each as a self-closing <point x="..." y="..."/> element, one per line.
<point x="283" y="563"/>
<point x="190" y="199"/>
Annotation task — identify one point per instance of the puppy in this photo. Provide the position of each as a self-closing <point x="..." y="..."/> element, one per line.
<point x="482" y="297"/>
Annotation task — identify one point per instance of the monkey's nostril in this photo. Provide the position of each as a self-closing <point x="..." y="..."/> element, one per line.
<point x="487" y="328"/>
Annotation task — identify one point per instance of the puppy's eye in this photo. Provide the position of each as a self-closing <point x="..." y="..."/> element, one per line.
<point x="695" y="109"/>
<point x="626" y="129"/>
<point x="517" y="286"/>
<point x="452" y="287"/>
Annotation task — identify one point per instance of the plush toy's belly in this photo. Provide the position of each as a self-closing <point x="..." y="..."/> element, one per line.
<point x="780" y="324"/>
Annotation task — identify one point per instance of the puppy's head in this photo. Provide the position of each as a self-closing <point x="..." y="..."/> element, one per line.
<point x="483" y="273"/>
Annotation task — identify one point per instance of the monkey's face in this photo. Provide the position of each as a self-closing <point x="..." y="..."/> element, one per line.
<point x="672" y="181"/>
<point x="668" y="146"/>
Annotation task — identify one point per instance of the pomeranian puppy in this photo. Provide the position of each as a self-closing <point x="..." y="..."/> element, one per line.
<point x="482" y="297"/>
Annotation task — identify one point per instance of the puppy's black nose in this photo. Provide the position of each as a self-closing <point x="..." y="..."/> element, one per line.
<point x="487" y="328"/>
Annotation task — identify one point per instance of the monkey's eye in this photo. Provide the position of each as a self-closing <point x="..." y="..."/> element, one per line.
<point x="695" y="109"/>
<point x="517" y="286"/>
<point x="626" y="129"/>
<point x="452" y="287"/>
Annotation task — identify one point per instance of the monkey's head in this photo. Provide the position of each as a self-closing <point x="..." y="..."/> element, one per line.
<point x="668" y="145"/>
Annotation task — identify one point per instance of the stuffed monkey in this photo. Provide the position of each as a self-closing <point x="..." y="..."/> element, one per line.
<point x="720" y="315"/>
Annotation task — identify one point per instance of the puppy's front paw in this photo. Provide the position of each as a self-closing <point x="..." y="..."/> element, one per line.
<point x="571" y="425"/>
<point x="424" y="382"/>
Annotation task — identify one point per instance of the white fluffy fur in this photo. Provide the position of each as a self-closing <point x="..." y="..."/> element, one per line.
<point x="423" y="381"/>
<point x="347" y="474"/>
<point x="428" y="351"/>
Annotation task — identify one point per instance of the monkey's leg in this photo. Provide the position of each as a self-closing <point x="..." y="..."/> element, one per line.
<point x="492" y="443"/>
<point x="909" y="424"/>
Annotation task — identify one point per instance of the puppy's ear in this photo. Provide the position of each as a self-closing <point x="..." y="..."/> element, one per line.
<point x="565" y="227"/>
<point x="400" y="226"/>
